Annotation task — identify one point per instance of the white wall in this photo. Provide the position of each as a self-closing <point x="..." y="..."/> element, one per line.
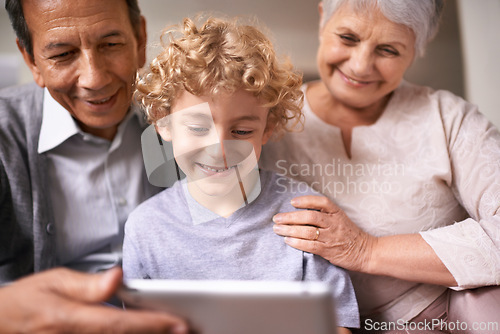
<point x="292" y="23"/>
<point x="293" y="26"/>
<point x="13" y="71"/>
<point x="480" y="29"/>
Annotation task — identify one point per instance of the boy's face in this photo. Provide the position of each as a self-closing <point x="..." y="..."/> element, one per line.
<point x="215" y="139"/>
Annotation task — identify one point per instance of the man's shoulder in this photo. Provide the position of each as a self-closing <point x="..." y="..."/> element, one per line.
<point x="19" y="94"/>
<point x="21" y="108"/>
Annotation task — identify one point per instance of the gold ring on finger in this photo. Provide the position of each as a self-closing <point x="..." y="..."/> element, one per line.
<point x="317" y="234"/>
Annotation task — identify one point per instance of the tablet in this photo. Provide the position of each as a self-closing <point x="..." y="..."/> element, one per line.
<point x="238" y="307"/>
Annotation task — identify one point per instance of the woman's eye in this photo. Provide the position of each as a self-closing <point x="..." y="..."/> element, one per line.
<point x="389" y="51"/>
<point x="348" y="38"/>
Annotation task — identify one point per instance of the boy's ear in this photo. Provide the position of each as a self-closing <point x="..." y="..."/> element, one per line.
<point x="164" y="132"/>
<point x="28" y="59"/>
<point x="268" y="132"/>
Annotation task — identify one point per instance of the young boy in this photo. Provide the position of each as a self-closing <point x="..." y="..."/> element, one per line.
<point x="217" y="93"/>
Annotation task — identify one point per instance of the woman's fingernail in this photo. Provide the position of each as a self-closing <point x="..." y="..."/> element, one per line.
<point x="295" y="201"/>
<point x="277" y="218"/>
<point x="277" y="228"/>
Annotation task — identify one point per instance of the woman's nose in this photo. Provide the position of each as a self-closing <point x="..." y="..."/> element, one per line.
<point x="361" y="62"/>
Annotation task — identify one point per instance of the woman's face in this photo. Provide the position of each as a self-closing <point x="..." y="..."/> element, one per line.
<point x="363" y="57"/>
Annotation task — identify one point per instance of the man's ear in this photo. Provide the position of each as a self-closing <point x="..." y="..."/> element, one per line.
<point x="30" y="61"/>
<point x="164" y="132"/>
<point x="142" y="42"/>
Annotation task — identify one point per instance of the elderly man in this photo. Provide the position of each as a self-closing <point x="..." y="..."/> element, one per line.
<point x="70" y="166"/>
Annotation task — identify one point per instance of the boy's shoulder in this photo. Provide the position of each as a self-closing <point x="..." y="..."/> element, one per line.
<point x="278" y="190"/>
<point x="286" y="186"/>
<point x="167" y="202"/>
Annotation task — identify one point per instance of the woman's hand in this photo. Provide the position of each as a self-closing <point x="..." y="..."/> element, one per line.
<point x="327" y="232"/>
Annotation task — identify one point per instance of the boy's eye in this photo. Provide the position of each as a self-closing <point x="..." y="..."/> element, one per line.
<point x="242" y="133"/>
<point x="198" y="131"/>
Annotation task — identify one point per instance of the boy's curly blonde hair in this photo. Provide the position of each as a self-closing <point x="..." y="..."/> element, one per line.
<point x="220" y="56"/>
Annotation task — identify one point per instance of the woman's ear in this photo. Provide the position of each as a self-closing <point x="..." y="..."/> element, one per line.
<point x="321" y="13"/>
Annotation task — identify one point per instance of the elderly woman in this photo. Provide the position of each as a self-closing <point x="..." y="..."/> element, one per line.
<point x="414" y="174"/>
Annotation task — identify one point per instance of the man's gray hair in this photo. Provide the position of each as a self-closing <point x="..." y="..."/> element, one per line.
<point x="421" y="16"/>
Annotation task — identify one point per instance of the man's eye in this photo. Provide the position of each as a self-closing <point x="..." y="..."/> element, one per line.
<point x="112" y="45"/>
<point x="62" y="56"/>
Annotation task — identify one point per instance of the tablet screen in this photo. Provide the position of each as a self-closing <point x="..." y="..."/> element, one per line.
<point x="239" y="307"/>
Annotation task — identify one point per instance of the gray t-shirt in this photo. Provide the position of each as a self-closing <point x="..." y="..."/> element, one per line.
<point x="163" y="242"/>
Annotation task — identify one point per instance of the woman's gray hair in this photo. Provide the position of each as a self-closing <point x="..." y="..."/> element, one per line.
<point x="421" y="16"/>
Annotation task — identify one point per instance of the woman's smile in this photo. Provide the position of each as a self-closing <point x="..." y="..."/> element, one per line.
<point x="354" y="82"/>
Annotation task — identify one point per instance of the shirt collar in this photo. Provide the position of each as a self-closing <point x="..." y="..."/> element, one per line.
<point x="57" y="124"/>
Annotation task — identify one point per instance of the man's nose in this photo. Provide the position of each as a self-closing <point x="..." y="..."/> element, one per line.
<point x="93" y="71"/>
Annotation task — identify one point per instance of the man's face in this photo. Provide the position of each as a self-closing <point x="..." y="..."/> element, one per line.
<point x="86" y="53"/>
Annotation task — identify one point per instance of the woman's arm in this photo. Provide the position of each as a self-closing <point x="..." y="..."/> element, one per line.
<point x="342" y="243"/>
<point x="470" y="248"/>
<point x="408" y="257"/>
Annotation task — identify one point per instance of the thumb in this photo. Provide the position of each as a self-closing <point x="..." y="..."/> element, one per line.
<point x="91" y="288"/>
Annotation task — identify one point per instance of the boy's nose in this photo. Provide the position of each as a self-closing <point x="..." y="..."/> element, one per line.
<point x="216" y="151"/>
